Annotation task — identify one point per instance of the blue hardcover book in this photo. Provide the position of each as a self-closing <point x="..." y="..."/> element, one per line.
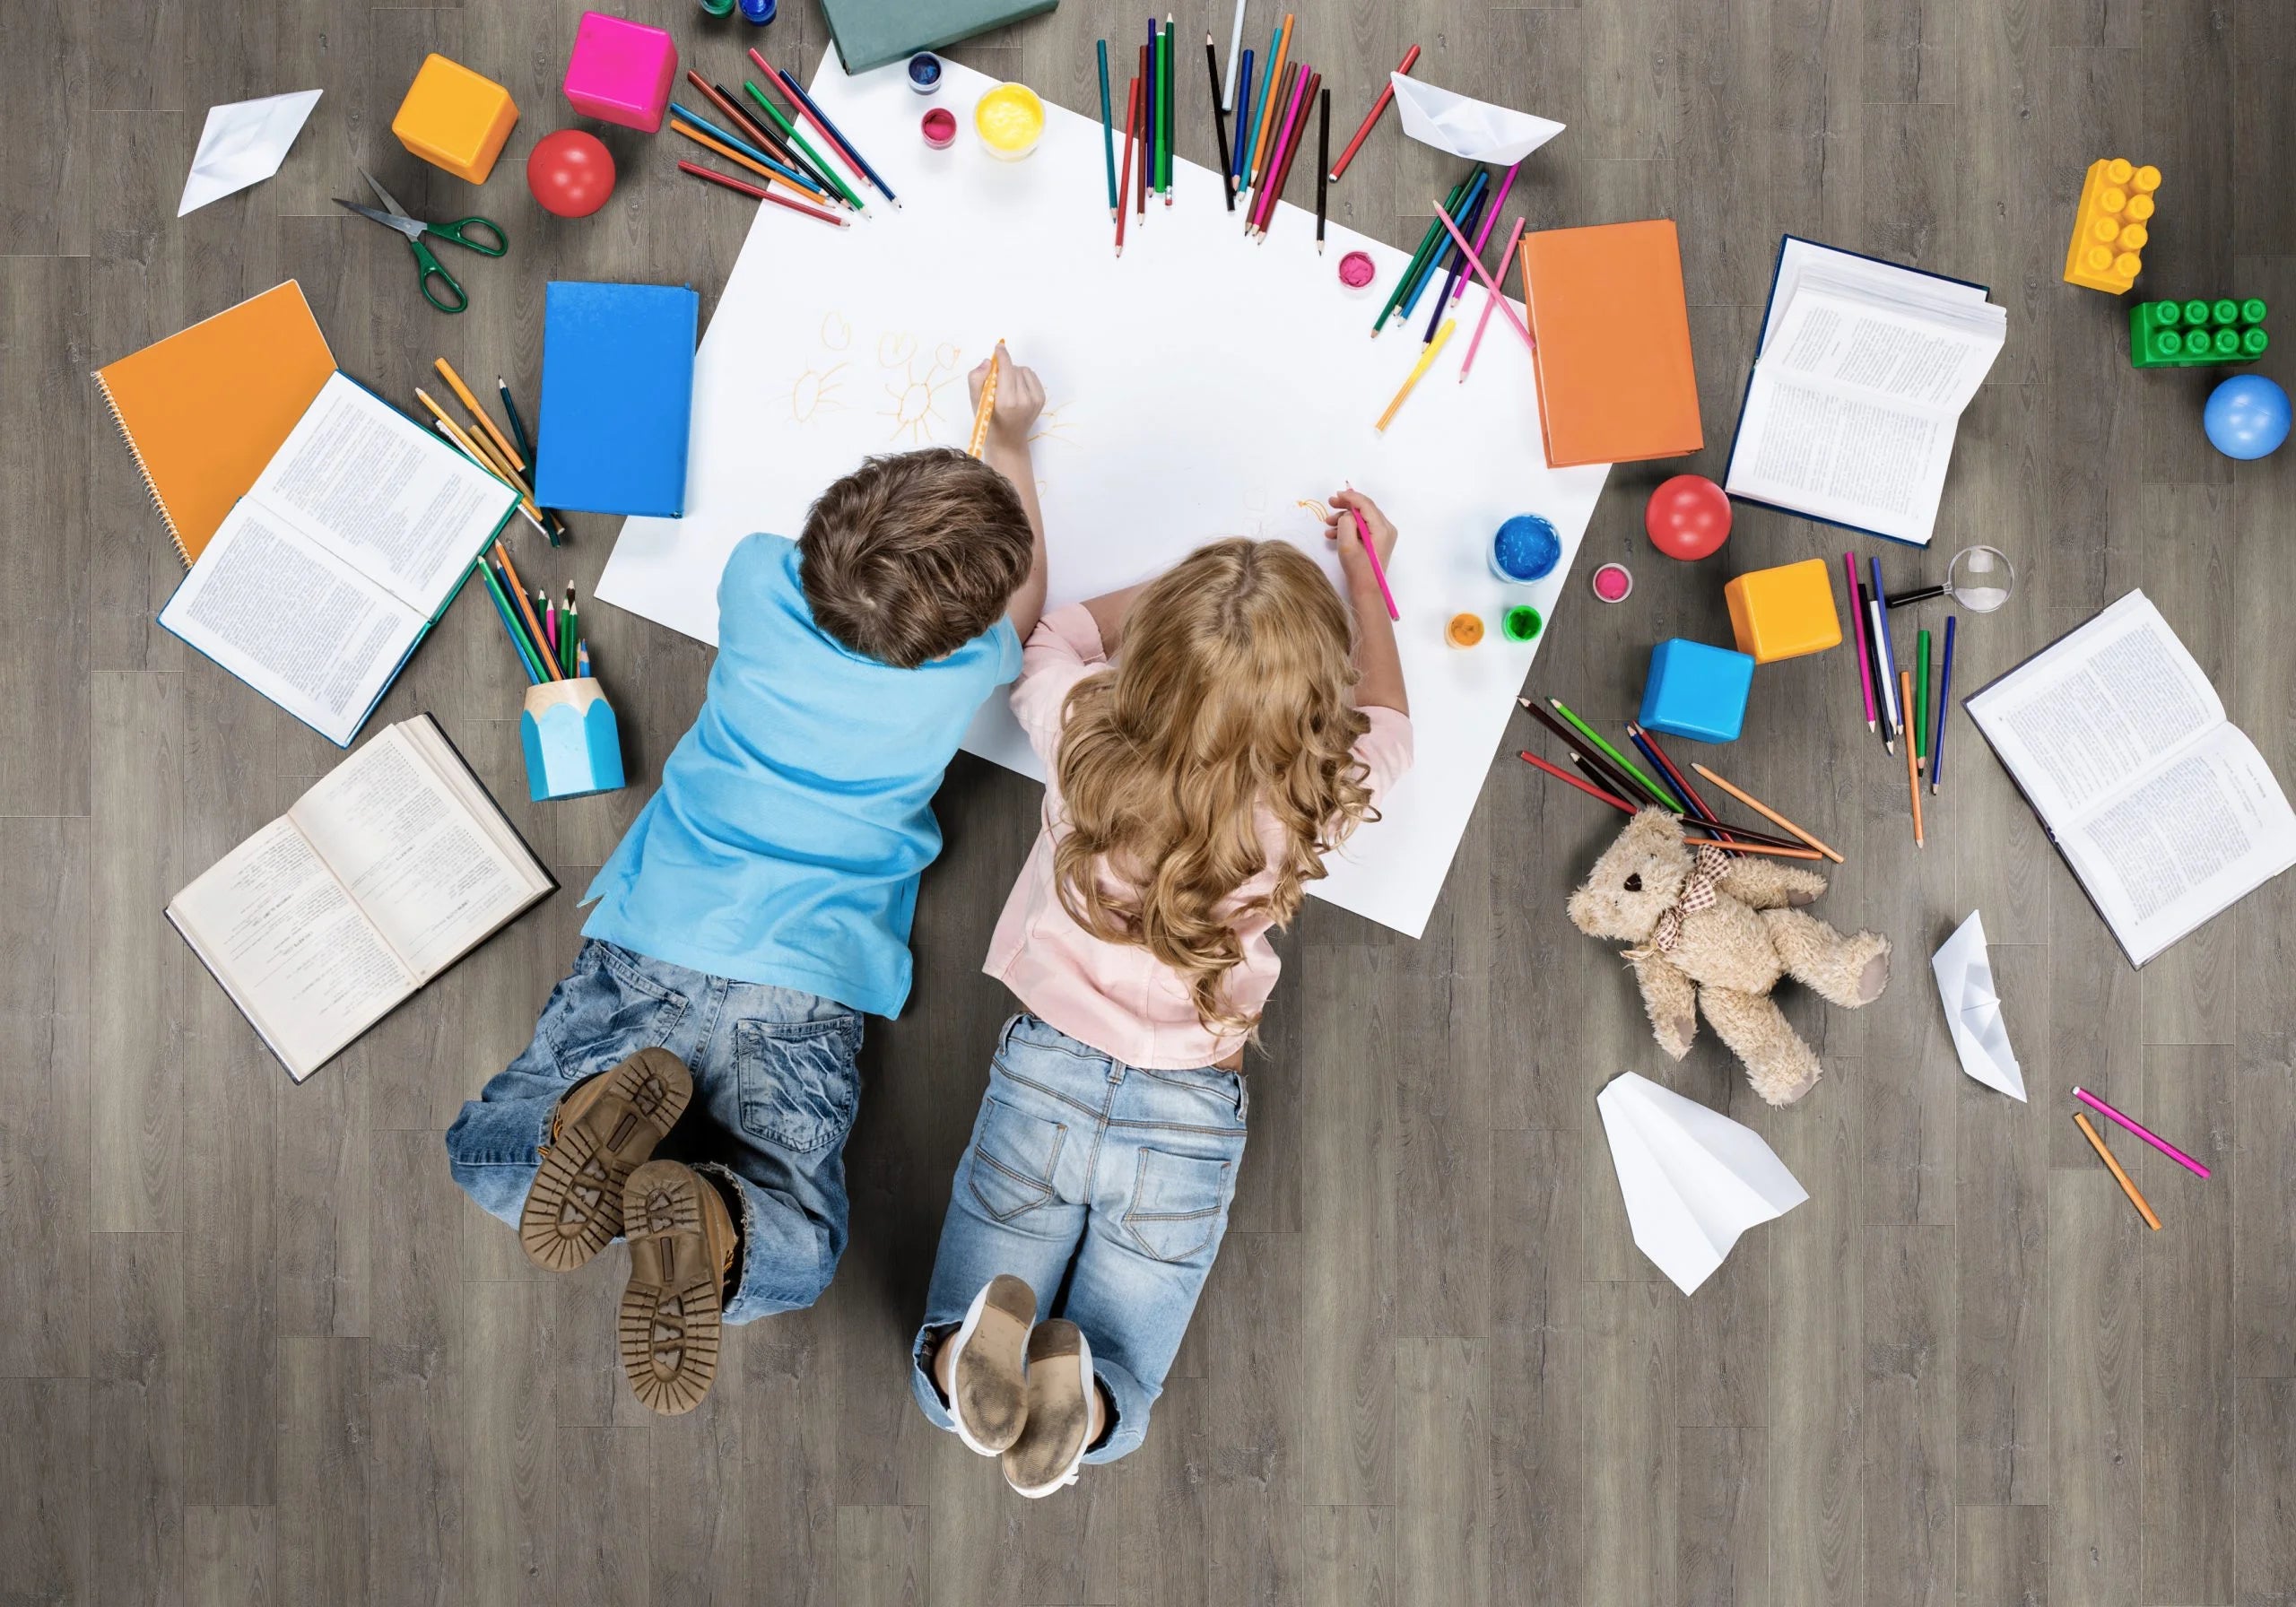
<point x="617" y="397"/>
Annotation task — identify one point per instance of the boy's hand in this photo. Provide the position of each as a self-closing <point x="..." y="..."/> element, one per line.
<point x="1342" y="529"/>
<point x="1020" y="398"/>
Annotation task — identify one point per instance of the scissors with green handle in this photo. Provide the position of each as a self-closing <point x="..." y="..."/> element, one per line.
<point x="459" y="232"/>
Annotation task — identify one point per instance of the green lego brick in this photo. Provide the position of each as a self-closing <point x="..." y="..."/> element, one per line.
<point x="2184" y="334"/>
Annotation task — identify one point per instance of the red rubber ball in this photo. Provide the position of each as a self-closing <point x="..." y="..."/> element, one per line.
<point x="1688" y="517"/>
<point x="570" y="173"/>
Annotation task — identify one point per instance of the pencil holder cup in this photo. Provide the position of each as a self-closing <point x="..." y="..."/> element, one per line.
<point x="573" y="744"/>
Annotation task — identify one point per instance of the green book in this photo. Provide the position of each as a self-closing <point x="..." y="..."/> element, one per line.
<point x="869" y="34"/>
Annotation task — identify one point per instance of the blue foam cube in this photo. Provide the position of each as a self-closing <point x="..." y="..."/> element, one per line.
<point x="1697" y="691"/>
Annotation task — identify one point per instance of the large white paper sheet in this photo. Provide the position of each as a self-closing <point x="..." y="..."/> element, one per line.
<point x="1197" y="388"/>
<point x="1692" y="1178"/>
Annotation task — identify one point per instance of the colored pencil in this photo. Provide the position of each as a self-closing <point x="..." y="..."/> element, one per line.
<point x="2119" y="1176"/>
<point x="582" y="661"/>
<point x="511" y="411"/>
<point x="1152" y="88"/>
<point x="1944" y="702"/>
<point x="1280" y="90"/>
<point x="517" y="590"/>
<point x="745" y="122"/>
<point x="510" y="625"/>
<point x="1620" y="782"/>
<point x="1897" y="713"/>
<point x="1236" y="156"/>
<point x="1921" y="699"/>
<point x="1490" y="216"/>
<point x="1372" y="561"/>
<point x="1454" y="274"/>
<point x="518" y="617"/>
<point x="1580" y="762"/>
<point x="1672" y="777"/>
<point x="1681" y="801"/>
<point x="1746" y="847"/>
<point x="1107" y="131"/>
<point x="1304" y="82"/>
<point x="1164" y="109"/>
<point x="1426" y="361"/>
<point x="756" y="193"/>
<point x="1124" y="184"/>
<point x="549" y="628"/>
<point x="1172" y="100"/>
<point x="1610" y="753"/>
<point x="462" y="394"/>
<point x="483" y="454"/>
<point x="987" y="406"/>
<point x="1219" y="122"/>
<point x="1259" y="112"/>
<point x="1612" y="799"/>
<point x="1439" y="258"/>
<point x="734" y="149"/>
<point x="822" y="172"/>
<point x="1912" y="776"/>
<point x="1267" y="132"/>
<point x="1885" y="695"/>
<point x="1492" y="299"/>
<point x="1443" y="218"/>
<point x="2143" y="1132"/>
<point x="1426" y="244"/>
<point x="1235" y="43"/>
<point x="1767" y="813"/>
<point x="1372" y="118"/>
<point x="1147" y="129"/>
<point x="569" y="626"/>
<point x="829" y="130"/>
<point x="1857" y="622"/>
<point x="1323" y="176"/>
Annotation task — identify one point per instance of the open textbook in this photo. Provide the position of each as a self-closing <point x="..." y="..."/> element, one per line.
<point x="1858" y="389"/>
<point x="2165" y="810"/>
<point x="353" y="540"/>
<point x="388" y="872"/>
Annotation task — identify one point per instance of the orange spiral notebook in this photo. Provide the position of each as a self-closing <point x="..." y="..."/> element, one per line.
<point x="204" y="409"/>
<point x="1613" y="332"/>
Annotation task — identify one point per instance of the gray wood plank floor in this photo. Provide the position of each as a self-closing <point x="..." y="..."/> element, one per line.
<point x="255" y="1346"/>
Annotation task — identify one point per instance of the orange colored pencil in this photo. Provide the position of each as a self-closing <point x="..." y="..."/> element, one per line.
<point x="462" y="393"/>
<point x="1912" y="776"/>
<point x="988" y="407"/>
<point x="2119" y="1176"/>
<point x="519" y="595"/>
<point x="1256" y="173"/>
<point x="1737" y="845"/>
<point x="1767" y="813"/>
<point x="1124" y="190"/>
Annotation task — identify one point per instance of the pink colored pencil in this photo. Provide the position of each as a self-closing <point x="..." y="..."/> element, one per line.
<point x="1858" y="620"/>
<point x="1371" y="556"/>
<point x="1484" y="322"/>
<point x="1264" y="206"/>
<point x="1483" y="273"/>
<point x="2150" y="1137"/>
<point x="1482" y="235"/>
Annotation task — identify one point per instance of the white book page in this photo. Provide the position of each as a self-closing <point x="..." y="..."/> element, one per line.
<point x="290" y="947"/>
<point x="447" y="767"/>
<point x="1840" y="335"/>
<point x="389" y="498"/>
<point x="408" y="851"/>
<point x="2165" y="857"/>
<point x="291" y="621"/>
<point x="1877" y="465"/>
<point x="2093" y="713"/>
<point x="1797" y="258"/>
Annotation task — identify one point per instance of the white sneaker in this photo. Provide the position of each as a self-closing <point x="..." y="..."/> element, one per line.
<point x="1050" y="1448"/>
<point x="988" y="1399"/>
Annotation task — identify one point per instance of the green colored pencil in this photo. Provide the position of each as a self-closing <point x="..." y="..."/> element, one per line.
<point x="1613" y="754"/>
<point x="1921" y="699"/>
<point x="797" y="141"/>
<point x="1426" y="244"/>
<point x="517" y="631"/>
<point x="1164" y="110"/>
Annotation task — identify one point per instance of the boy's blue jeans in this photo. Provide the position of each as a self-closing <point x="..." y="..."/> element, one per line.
<point x="1103" y="1186"/>
<point x="775" y="1088"/>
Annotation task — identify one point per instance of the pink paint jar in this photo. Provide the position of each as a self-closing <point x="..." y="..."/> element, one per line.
<point x="940" y="127"/>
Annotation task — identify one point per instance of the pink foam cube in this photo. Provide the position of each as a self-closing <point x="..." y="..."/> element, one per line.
<point x="620" y="70"/>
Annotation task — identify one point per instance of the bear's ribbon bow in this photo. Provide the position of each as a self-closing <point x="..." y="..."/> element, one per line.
<point x="1698" y="893"/>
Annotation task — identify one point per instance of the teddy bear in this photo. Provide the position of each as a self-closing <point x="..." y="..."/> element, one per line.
<point x="1717" y="931"/>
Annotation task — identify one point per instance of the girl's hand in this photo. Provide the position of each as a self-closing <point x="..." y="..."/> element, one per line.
<point x="1020" y="398"/>
<point x="1342" y="529"/>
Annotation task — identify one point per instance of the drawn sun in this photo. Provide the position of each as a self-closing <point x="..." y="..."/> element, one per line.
<point x="817" y="391"/>
<point x="916" y="410"/>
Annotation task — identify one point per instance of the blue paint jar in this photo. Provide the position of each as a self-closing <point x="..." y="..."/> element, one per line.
<point x="1525" y="549"/>
<point x="760" y="12"/>
<point x="925" y="72"/>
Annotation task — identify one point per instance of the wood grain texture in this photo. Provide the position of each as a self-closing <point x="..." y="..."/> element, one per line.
<point x="256" y="1347"/>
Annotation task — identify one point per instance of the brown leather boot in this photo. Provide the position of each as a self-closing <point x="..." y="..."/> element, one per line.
<point x="682" y="1244"/>
<point x="601" y="1129"/>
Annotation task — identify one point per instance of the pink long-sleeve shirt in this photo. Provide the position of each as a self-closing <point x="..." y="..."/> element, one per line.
<point x="1119" y="997"/>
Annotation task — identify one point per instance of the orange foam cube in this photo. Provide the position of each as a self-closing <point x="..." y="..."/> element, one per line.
<point x="2110" y="228"/>
<point x="1784" y="613"/>
<point x="455" y="118"/>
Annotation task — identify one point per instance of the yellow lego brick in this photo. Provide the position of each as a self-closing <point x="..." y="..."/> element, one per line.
<point x="455" y="118"/>
<point x="1784" y="613"/>
<point x="2109" y="230"/>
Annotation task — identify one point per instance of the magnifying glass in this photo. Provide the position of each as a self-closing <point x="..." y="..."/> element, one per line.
<point x="1979" y="579"/>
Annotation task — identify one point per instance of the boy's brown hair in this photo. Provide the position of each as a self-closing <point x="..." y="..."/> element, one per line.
<point x="912" y="555"/>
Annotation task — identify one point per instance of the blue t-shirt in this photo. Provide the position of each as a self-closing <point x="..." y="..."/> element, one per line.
<point x="795" y="816"/>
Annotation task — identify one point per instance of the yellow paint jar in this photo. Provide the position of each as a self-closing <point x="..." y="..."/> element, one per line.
<point x="1009" y="121"/>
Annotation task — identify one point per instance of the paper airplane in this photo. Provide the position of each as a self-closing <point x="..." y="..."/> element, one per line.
<point x="1475" y="129"/>
<point x="1964" y="973"/>
<point x="243" y="143"/>
<point x="1693" y="1180"/>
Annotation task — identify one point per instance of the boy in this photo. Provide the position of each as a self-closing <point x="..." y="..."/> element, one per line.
<point x="760" y="904"/>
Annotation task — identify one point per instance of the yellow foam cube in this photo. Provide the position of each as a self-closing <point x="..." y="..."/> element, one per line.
<point x="2109" y="232"/>
<point x="455" y="118"/>
<point x="1784" y="613"/>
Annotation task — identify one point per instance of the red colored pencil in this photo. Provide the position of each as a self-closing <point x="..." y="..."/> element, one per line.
<point x="1560" y="774"/>
<point x="752" y="191"/>
<point x="798" y="104"/>
<point x="1386" y="94"/>
<point x="1295" y="137"/>
<point x="1131" y="116"/>
<point x="1147" y="94"/>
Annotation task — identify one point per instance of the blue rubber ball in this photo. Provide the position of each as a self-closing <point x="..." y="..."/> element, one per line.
<point x="2247" y="416"/>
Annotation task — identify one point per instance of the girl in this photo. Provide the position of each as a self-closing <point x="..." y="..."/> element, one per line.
<point x="1203" y="754"/>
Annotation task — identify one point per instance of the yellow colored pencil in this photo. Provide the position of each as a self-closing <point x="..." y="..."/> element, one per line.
<point x="1912" y="779"/>
<point x="1767" y="813"/>
<point x="980" y="414"/>
<point x="1426" y="361"/>
<point x="469" y="448"/>
<point x="462" y="394"/>
<point x="2119" y="1176"/>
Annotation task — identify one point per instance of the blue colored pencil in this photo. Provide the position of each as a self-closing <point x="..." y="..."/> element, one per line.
<point x="809" y="180"/>
<point x="1427" y="270"/>
<point x="1148" y="118"/>
<point x="1458" y="266"/>
<point x="1665" y="780"/>
<point x="1900" y="718"/>
<point x="1259" y="112"/>
<point x="1236" y="162"/>
<point x="517" y="636"/>
<point x="1108" y="130"/>
<point x="1944" y="692"/>
<point x="837" y="135"/>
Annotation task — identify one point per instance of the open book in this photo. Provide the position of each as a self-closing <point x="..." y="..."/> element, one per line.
<point x="391" y="869"/>
<point x="2166" y="813"/>
<point x="353" y="540"/>
<point x="1858" y="389"/>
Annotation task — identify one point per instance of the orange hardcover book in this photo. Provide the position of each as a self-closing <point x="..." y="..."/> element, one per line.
<point x="204" y="409"/>
<point x="1613" y="333"/>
